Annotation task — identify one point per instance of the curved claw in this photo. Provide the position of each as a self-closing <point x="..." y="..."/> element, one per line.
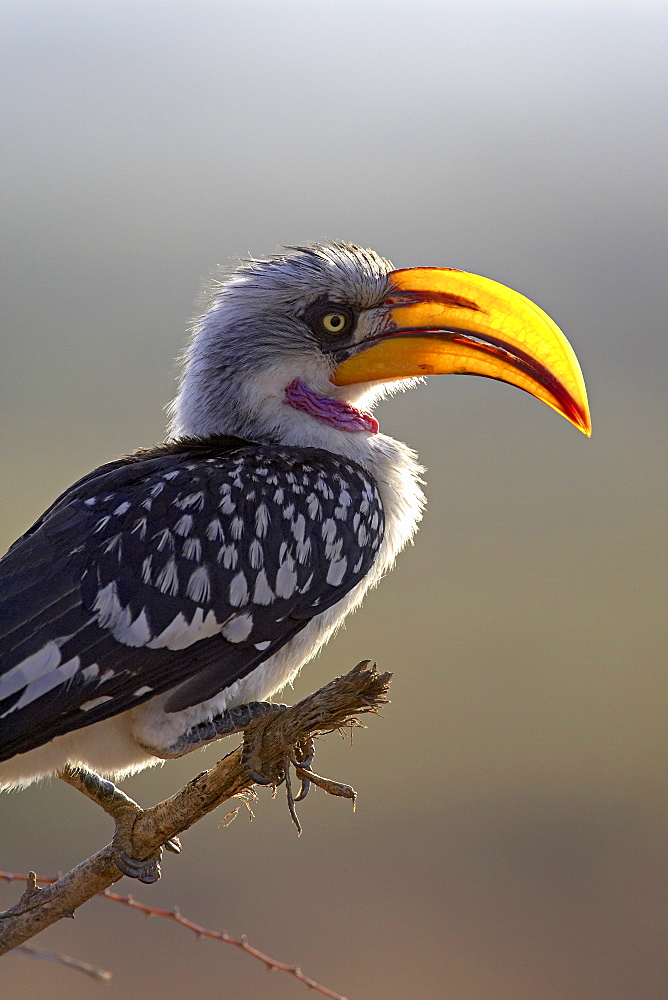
<point x="173" y="845"/>
<point x="304" y="790"/>
<point x="305" y="763"/>
<point x="147" y="870"/>
<point x="261" y="779"/>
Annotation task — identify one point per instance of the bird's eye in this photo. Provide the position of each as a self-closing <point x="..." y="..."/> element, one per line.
<point x="330" y="320"/>
<point x="334" y="322"/>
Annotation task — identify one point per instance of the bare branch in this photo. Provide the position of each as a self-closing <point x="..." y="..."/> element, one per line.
<point x="334" y="706"/>
<point x="175" y="914"/>
<point x="241" y="942"/>
<point x="72" y="963"/>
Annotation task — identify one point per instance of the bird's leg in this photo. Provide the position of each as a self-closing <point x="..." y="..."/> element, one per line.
<point x="125" y="811"/>
<point x="236" y="720"/>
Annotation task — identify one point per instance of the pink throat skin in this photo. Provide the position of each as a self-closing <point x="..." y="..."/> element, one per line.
<point x="343" y="416"/>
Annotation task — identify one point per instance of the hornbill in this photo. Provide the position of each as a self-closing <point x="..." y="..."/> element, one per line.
<point x="161" y="599"/>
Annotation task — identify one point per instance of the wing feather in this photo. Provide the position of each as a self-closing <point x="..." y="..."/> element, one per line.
<point x="168" y="572"/>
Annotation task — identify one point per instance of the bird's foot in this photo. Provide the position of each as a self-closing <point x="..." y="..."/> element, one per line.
<point x="302" y="760"/>
<point x="299" y="755"/>
<point x="147" y="870"/>
<point x="125" y="811"/>
<point x="236" y="720"/>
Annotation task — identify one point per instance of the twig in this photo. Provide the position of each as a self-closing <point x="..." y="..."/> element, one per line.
<point x="361" y="691"/>
<point x="175" y="914"/>
<point x="241" y="942"/>
<point x="73" y="963"/>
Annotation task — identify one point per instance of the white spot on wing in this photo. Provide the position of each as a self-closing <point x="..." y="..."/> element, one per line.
<point x="299" y="528"/>
<point x="110" y="613"/>
<point x="255" y="554"/>
<point x="303" y="551"/>
<point x="262" y="592"/>
<point x="192" y="500"/>
<point x="137" y="633"/>
<point x="333" y="550"/>
<point x="238" y="590"/>
<point x="226" y="505"/>
<point x="214" y="531"/>
<point x="170" y="634"/>
<point x="261" y="520"/>
<point x="94" y="702"/>
<point x="238" y="628"/>
<point x="184" y="525"/>
<point x="164" y="538"/>
<point x="42" y="685"/>
<point x="337" y="571"/>
<point x="179" y="634"/>
<point x="43" y="662"/>
<point x="192" y="549"/>
<point x="323" y="488"/>
<point x="286" y="579"/>
<point x="114" y="543"/>
<point x="228" y="556"/>
<point x="146" y="569"/>
<point x="140" y="526"/>
<point x="199" y="585"/>
<point x="328" y="530"/>
<point x="167" y="579"/>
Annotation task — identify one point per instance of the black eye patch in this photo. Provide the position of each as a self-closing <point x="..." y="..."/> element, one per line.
<point x="331" y="323"/>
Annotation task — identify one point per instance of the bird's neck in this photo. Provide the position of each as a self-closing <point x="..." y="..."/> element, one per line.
<point x="259" y="410"/>
<point x="334" y="412"/>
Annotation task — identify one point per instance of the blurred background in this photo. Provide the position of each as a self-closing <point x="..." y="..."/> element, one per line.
<point x="509" y="840"/>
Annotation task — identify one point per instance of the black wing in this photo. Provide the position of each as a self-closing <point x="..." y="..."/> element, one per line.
<point x="179" y="570"/>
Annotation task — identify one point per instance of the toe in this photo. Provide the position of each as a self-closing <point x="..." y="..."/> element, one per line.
<point x="145" y="870"/>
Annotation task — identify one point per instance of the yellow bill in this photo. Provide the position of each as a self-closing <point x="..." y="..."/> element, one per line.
<point x="438" y="321"/>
